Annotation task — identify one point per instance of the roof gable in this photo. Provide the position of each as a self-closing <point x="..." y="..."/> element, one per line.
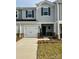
<point x="45" y="2"/>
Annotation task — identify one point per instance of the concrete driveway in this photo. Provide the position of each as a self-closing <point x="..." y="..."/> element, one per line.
<point x="26" y="48"/>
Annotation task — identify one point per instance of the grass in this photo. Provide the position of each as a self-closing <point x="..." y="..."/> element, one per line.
<point x="49" y="49"/>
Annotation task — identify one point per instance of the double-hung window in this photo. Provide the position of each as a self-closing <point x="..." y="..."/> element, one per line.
<point x="45" y="11"/>
<point x="29" y="13"/>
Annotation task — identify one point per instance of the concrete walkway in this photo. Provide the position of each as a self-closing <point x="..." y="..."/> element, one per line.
<point x="26" y="48"/>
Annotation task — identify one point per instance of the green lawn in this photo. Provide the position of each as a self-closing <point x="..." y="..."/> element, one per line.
<point x="49" y="50"/>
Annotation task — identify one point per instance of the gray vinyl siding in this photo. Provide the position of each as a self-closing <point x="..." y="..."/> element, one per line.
<point x="60" y="11"/>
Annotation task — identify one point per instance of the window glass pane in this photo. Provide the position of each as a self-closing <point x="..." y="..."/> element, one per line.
<point x="29" y="13"/>
<point x="45" y="9"/>
<point x="45" y="13"/>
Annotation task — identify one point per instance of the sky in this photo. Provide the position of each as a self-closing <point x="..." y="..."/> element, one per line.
<point x="28" y="3"/>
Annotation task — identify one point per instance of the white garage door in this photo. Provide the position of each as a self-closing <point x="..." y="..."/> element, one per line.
<point x="30" y="31"/>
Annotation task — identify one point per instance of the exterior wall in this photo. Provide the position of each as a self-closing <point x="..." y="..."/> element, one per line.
<point x="45" y="18"/>
<point x="60" y="11"/>
<point x="32" y="28"/>
<point x="22" y="24"/>
<point x="55" y="12"/>
<point x="35" y="24"/>
<point x="60" y="1"/>
<point x="22" y="28"/>
<point x="21" y="13"/>
<point x="24" y="13"/>
<point x="17" y="28"/>
<point x="55" y="28"/>
<point x="17" y="14"/>
<point x="60" y="22"/>
<point x="48" y="23"/>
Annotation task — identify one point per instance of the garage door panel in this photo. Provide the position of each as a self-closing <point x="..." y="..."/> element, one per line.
<point x="30" y="31"/>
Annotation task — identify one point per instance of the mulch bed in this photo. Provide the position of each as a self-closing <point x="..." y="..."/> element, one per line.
<point x="17" y="39"/>
<point x="49" y="41"/>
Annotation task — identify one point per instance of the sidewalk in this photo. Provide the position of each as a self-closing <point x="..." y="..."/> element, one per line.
<point x="26" y="48"/>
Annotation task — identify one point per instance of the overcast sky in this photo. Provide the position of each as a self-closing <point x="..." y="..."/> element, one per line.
<point x="27" y="3"/>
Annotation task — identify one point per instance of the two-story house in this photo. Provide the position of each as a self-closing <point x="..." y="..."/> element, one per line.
<point x="45" y="19"/>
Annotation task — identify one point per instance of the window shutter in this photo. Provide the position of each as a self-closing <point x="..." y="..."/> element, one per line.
<point x="41" y="11"/>
<point x="49" y="10"/>
<point x="32" y="13"/>
<point x="26" y="13"/>
<point x="16" y="13"/>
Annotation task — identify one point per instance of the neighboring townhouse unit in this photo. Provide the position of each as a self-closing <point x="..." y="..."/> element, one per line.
<point x="43" y="20"/>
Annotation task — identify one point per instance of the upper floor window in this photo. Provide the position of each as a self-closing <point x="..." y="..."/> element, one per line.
<point x="45" y="11"/>
<point x="29" y="13"/>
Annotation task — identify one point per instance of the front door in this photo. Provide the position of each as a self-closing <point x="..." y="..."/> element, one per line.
<point x="44" y="30"/>
<point x="47" y="29"/>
